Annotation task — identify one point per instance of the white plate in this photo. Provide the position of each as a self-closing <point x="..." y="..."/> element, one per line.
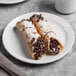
<point x="10" y="1"/>
<point x="14" y="44"/>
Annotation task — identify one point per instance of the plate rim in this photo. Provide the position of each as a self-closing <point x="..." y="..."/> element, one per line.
<point x="13" y="2"/>
<point x="56" y="59"/>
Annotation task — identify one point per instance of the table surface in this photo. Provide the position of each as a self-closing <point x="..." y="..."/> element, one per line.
<point x="63" y="67"/>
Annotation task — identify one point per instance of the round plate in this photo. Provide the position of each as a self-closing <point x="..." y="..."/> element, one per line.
<point x="10" y="1"/>
<point x="14" y="43"/>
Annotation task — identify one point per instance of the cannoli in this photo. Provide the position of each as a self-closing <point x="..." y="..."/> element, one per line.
<point x="35" y="43"/>
<point x="44" y="28"/>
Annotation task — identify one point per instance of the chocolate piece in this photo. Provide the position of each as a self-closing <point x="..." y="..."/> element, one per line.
<point x="23" y="29"/>
<point x="54" y="46"/>
<point x="33" y="39"/>
<point x="36" y="56"/>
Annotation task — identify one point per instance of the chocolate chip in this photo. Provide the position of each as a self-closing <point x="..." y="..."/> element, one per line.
<point x="36" y="56"/>
<point x="23" y="29"/>
<point x="37" y="20"/>
<point x="36" y="49"/>
<point x="33" y="39"/>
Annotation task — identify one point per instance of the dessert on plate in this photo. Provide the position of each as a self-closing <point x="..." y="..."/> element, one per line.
<point x="35" y="43"/>
<point x="39" y="36"/>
